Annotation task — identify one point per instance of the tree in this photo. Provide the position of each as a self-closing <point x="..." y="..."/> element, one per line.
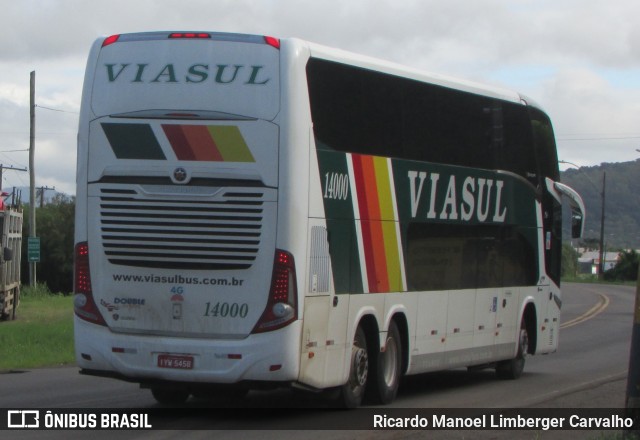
<point x="622" y="201"/>
<point x="569" y="261"/>
<point x="591" y="244"/>
<point x="55" y="227"/>
<point x="626" y="269"/>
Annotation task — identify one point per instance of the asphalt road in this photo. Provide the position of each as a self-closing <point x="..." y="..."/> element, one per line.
<point x="594" y="350"/>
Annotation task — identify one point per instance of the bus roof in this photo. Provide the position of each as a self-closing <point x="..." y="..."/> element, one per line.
<point x="339" y="56"/>
<point x="371" y="63"/>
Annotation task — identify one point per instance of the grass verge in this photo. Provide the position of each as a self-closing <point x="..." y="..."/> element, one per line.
<point x="42" y="333"/>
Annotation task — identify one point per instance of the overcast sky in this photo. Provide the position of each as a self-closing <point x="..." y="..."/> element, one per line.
<point x="579" y="59"/>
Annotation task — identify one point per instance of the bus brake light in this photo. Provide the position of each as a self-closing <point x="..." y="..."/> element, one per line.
<point x="110" y="40"/>
<point x="281" y="307"/>
<point x="272" y="41"/>
<point x="83" y="303"/>
<point x="189" y="35"/>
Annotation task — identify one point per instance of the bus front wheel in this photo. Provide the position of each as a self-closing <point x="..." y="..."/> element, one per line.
<point x="512" y="368"/>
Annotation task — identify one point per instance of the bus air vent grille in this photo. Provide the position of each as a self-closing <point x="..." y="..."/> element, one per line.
<point x="181" y="233"/>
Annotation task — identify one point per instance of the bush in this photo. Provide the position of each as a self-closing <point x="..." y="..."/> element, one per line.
<point x="569" y="261"/>
<point x="626" y="269"/>
<point x="54" y="223"/>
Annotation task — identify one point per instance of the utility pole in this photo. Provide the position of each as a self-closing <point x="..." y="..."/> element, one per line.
<point x="632" y="403"/>
<point x="32" y="172"/>
<point x="603" y="253"/>
<point x="11" y="167"/>
<point x="41" y="191"/>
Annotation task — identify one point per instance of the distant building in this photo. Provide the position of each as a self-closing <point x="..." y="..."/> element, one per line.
<point x="589" y="262"/>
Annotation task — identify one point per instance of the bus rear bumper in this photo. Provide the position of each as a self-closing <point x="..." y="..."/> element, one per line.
<point x="143" y="359"/>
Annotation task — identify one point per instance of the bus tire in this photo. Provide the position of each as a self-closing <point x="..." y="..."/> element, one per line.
<point x="512" y="368"/>
<point x="352" y="392"/>
<point x="388" y="369"/>
<point x="170" y="396"/>
<point x="233" y="394"/>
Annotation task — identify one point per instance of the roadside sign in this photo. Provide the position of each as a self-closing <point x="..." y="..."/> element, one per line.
<point x="33" y="249"/>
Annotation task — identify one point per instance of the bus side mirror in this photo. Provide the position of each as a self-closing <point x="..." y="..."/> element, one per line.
<point x="558" y="190"/>
<point x="576" y="224"/>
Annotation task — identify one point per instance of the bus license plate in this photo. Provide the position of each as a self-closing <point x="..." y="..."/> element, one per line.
<point x="179" y="362"/>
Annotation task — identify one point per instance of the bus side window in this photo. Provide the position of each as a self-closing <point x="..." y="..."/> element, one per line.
<point x="449" y="257"/>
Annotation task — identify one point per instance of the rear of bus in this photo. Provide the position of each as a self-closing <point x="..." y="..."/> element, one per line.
<point x="177" y="275"/>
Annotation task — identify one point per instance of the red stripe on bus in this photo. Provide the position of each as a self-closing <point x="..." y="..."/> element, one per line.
<point x="178" y="142"/>
<point x="201" y="143"/>
<point x="372" y="234"/>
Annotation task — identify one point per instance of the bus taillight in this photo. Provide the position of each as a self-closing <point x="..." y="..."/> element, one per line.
<point x="272" y="41"/>
<point x="110" y="40"/>
<point x="281" y="308"/>
<point x="83" y="303"/>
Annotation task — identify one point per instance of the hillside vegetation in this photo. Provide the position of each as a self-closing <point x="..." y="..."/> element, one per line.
<point x="622" y="202"/>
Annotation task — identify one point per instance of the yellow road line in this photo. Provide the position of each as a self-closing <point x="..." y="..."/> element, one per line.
<point x="594" y="311"/>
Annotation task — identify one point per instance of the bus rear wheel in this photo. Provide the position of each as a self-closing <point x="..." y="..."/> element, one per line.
<point x="352" y="392"/>
<point x="170" y="396"/>
<point x="388" y="368"/>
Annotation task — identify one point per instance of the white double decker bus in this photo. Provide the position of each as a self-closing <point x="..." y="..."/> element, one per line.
<point x="256" y="211"/>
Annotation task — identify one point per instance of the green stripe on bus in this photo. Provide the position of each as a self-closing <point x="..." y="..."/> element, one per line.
<point x="133" y="141"/>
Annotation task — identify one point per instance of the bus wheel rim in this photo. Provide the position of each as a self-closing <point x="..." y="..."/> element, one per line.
<point x="360" y="367"/>
<point x="390" y="362"/>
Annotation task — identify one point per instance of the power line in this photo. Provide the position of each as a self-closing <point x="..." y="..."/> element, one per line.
<point x="13" y="151"/>
<point x="56" y="109"/>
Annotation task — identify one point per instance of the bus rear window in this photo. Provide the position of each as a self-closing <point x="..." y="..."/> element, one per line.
<point x="237" y="78"/>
